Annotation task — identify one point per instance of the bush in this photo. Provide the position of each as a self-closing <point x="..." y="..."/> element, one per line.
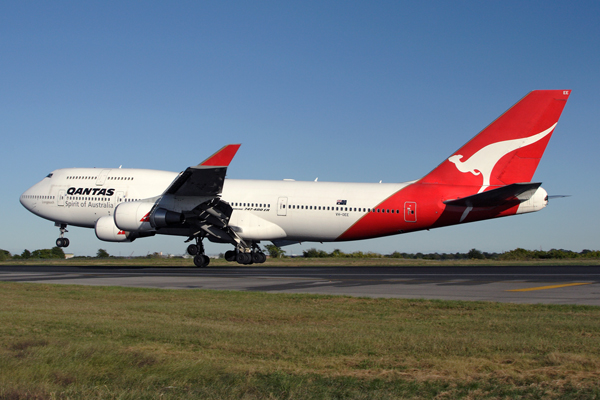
<point x="4" y="255"/>
<point x="102" y="254"/>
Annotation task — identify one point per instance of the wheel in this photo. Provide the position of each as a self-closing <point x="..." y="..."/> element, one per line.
<point x="230" y="255"/>
<point x="201" y="260"/>
<point x="66" y="242"/>
<point x="244" y="258"/>
<point x="59" y="242"/>
<point x="192" y="249"/>
<point x="259" y="257"/>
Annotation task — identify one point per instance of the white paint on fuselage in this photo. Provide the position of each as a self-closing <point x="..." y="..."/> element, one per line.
<point x="84" y="209"/>
<point x="314" y="211"/>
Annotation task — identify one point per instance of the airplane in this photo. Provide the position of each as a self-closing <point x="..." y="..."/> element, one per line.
<point x="489" y="177"/>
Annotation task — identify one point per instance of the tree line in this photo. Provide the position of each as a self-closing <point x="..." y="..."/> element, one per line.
<point x="277" y="252"/>
<point x="473" y="254"/>
<point x="42" y="254"/>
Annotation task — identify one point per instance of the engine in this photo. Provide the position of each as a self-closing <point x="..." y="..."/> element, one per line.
<point x="134" y="216"/>
<point x="107" y="230"/>
<point x="138" y="216"/>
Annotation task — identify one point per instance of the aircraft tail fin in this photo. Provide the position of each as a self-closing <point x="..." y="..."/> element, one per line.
<point x="509" y="149"/>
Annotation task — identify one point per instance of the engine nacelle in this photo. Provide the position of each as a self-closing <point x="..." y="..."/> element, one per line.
<point x="134" y="216"/>
<point x="107" y="230"/>
<point x="162" y="218"/>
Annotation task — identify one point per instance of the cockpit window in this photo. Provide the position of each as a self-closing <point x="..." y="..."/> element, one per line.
<point x="49" y="175"/>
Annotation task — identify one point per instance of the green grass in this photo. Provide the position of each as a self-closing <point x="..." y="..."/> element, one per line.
<point x="297" y="262"/>
<point x="61" y="341"/>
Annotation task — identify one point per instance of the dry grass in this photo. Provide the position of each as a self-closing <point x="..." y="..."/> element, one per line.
<point x="59" y="341"/>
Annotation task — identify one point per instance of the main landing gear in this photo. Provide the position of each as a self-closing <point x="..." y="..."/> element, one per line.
<point x="244" y="253"/>
<point x="62" y="241"/>
<point x="246" y="256"/>
<point x="201" y="260"/>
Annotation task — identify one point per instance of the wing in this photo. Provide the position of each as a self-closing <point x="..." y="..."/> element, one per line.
<point x="206" y="178"/>
<point x="192" y="206"/>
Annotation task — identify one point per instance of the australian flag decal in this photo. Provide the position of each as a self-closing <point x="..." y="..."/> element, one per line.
<point x="341" y="202"/>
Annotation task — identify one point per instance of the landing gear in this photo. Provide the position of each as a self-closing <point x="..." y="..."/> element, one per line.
<point x="246" y="256"/>
<point x="230" y="255"/>
<point x="197" y="250"/>
<point x="201" y="261"/>
<point x="258" y="257"/>
<point x="245" y="253"/>
<point x="193" y="249"/>
<point x="62" y="241"/>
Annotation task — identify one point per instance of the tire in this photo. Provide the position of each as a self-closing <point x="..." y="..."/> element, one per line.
<point x="201" y="261"/>
<point x="244" y="258"/>
<point x="66" y="242"/>
<point x="192" y="249"/>
<point x="230" y="255"/>
<point x="59" y="242"/>
<point x="258" y="257"/>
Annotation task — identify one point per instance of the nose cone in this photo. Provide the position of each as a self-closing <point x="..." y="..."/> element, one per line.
<point x="27" y="199"/>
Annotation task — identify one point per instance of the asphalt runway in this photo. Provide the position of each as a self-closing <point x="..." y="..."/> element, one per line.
<point x="525" y="284"/>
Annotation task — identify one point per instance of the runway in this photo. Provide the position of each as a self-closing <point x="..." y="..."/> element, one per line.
<point x="525" y="284"/>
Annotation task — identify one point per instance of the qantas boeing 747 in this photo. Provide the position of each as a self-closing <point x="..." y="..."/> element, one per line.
<point x="488" y="177"/>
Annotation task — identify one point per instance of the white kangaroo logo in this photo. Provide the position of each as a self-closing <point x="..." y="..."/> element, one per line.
<point x="484" y="160"/>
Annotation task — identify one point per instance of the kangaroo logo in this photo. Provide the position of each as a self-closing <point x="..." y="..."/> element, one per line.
<point x="484" y="160"/>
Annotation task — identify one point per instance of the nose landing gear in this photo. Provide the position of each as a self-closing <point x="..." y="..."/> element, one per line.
<point x="62" y="241"/>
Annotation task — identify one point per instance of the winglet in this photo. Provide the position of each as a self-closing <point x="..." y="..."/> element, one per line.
<point x="221" y="158"/>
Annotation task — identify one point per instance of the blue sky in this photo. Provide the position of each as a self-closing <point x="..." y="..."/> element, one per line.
<point x="342" y="91"/>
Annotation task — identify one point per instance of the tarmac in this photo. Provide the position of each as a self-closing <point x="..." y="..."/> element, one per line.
<point x="511" y="284"/>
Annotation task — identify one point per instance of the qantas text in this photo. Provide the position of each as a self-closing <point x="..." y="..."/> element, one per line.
<point x="90" y="191"/>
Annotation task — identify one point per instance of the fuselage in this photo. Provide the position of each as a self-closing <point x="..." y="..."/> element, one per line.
<point x="266" y="210"/>
<point x="299" y="210"/>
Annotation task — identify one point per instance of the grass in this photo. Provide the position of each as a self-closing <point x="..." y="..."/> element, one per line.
<point x="298" y="262"/>
<point x="61" y="341"/>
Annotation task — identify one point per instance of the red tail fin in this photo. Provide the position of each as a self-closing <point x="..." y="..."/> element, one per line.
<point x="509" y="149"/>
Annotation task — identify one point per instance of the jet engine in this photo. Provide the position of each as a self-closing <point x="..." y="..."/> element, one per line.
<point x="107" y="230"/>
<point x="139" y="216"/>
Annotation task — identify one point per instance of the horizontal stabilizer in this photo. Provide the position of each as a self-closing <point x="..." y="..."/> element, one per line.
<point x="516" y="192"/>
